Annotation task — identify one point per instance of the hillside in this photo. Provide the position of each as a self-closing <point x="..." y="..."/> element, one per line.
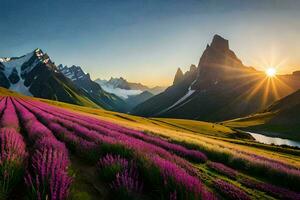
<point x="280" y="119"/>
<point x="158" y="150"/>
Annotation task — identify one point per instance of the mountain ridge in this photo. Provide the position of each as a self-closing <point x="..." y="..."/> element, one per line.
<point x="34" y="74"/>
<point x="82" y="80"/>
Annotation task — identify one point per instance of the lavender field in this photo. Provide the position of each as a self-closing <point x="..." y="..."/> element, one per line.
<point x="40" y="143"/>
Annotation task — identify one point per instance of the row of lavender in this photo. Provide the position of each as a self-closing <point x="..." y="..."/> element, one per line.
<point x="102" y="127"/>
<point x="171" y="175"/>
<point x="132" y="162"/>
<point x="13" y="150"/>
<point x="228" y="190"/>
<point x="82" y="124"/>
<point x="46" y="173"/>
<point x="253" y="164"/>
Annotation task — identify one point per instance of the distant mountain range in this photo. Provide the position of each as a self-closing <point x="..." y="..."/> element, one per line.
<point x="124" y="88"/>
<point x="123" y="84"/>
<point x="132" y="93"/>
<point x="219" y="88"/>
<point x="83" y="81"/>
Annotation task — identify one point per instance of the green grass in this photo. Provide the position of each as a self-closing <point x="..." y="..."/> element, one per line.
<point x="259" y="123"/>
<point x="219" y="141"/>
<point x="86" y="184"/>
<point x="252" y="120"/>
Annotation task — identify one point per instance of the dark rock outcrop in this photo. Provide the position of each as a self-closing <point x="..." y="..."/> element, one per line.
<point x="14" y="77"/>
<point x="178" y="77"/>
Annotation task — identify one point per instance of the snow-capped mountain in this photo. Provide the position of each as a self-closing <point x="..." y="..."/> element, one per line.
<point x="124" y="84"/>
<point x="19" y="73"/>
<point x="74" y="72"/>
<point x="123" y="88"/>
<point x="114" y="86"/>
<point x="132" y="93"/>
<point x="34" y="74"/>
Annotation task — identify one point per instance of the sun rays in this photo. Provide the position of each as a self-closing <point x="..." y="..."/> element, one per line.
<point x="264" y="87"/>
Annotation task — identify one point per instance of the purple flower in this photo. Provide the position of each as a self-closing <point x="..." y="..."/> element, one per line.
<point x="110" y="160"/>
<point x="275" y="191"/>
<point x="230" y="191"/>
<point x="223" y="169"/>
<point x="172" y="174"/>
<point x="127" y="181"/>
<point x="47" y="177"/>
<point x="12" y="157"/>
<point x="9" y="118"/>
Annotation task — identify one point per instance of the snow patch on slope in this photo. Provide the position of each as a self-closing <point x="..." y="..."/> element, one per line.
<point x="189" y="93"/>
<point x="182" y="99"/>
<point x="11" y="64"/>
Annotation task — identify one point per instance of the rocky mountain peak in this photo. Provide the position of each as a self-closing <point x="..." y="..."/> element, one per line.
<point x="193" y="68"/>
<point x="218" y="63"/>
<point x="178" y="76"/>
<point x="219" y="43"/>
<point x="74" y="72"/>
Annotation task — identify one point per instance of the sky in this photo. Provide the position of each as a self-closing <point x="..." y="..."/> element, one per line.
<point x="147" y="40"/>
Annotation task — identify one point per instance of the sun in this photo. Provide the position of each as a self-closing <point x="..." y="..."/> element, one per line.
<point x="271" y="72"/>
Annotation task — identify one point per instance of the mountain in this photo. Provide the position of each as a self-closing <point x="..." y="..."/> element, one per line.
<point x="34" y="74"/>
<point x="134" y="100"/>
<point x="123" y="88"/>
<point x="116" y="86"/>
<point x="219" y="88"/>
<point x="178" y="76"/>
<point x="173" y="95"/>
<point x="83" y="81"/>
<point x="124" y="84"/>
<point x="156" y="90"/>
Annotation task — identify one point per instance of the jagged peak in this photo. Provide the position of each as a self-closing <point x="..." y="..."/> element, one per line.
<point x="193" y="68"/>
<point x="179" y="71"/>
<point x="178" y="76"/>
<point x="219" y="43"/>
<point x="37" y="50"/>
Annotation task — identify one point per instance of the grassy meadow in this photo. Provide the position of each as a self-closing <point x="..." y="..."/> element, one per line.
<point x="234" y="166"/>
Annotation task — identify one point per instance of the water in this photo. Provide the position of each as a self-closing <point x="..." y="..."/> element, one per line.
<point x="274" y="140"/>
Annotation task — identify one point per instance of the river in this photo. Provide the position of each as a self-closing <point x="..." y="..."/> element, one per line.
<point x="273" y="140"/>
